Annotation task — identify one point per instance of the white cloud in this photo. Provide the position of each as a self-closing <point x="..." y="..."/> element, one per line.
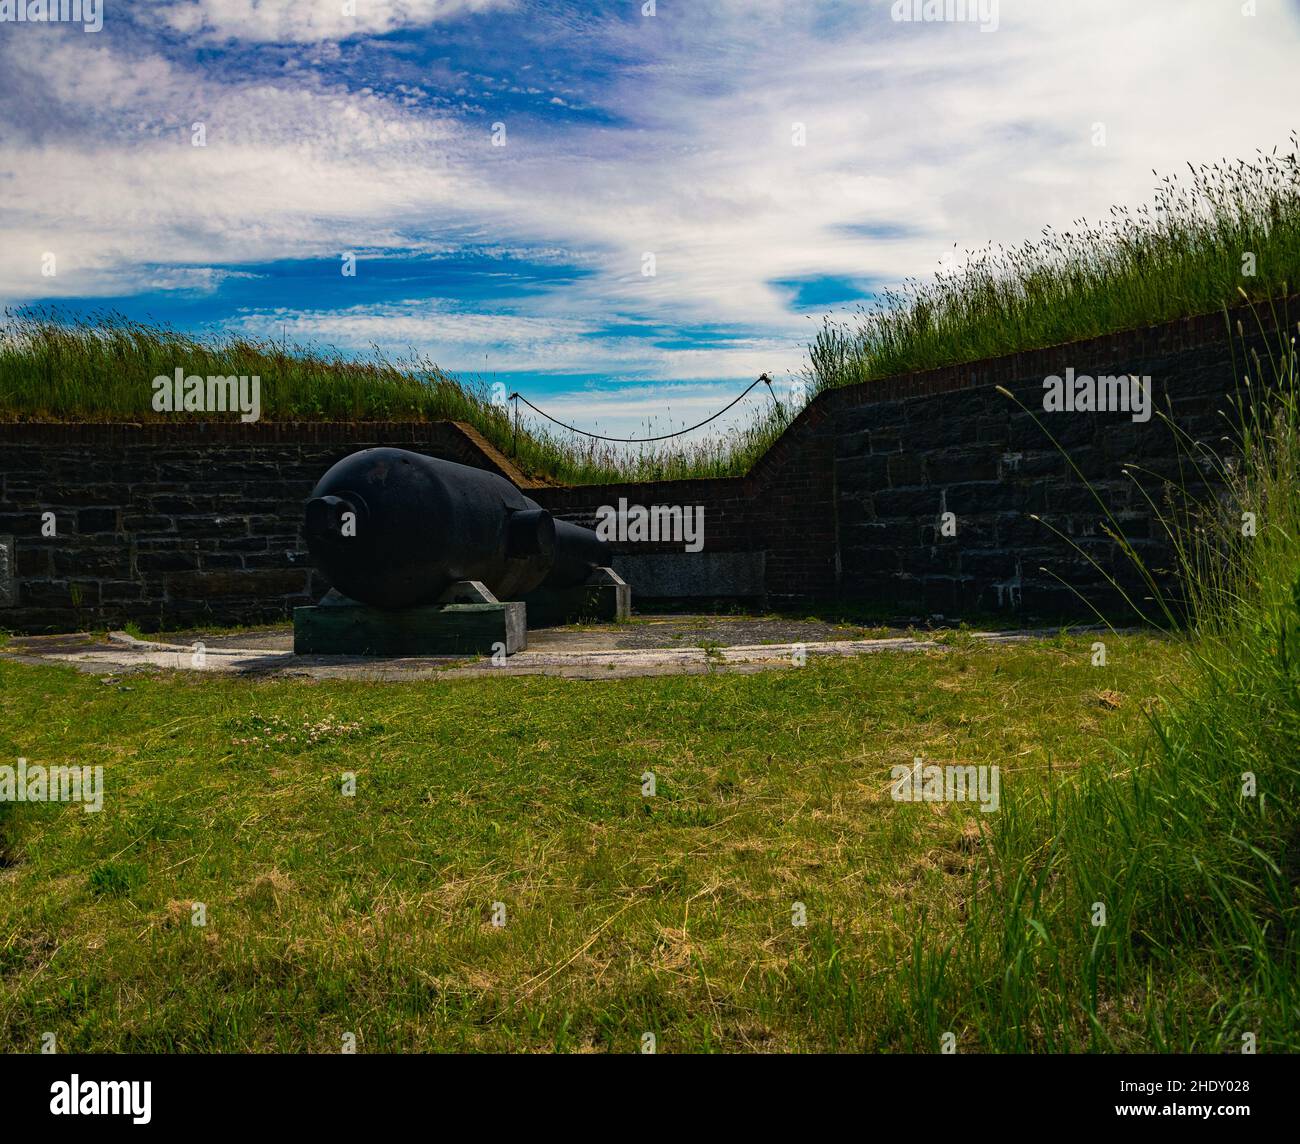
<point x="309" y="21"/>
<point x="286" y="172"/>
<point x="467" y="342"/>
<point x="945" y="134"/>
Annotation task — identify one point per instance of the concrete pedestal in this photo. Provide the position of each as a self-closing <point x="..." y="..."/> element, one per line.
<point x="604" y="598"/>
<point x="468" y="621"/>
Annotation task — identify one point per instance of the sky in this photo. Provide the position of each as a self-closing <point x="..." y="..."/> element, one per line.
<point x="625" y="210"/>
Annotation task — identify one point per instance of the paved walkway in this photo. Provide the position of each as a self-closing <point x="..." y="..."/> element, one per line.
<point x="675" y="645"/>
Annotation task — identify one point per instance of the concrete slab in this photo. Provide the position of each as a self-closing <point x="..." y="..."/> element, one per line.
<point x="660" y="646"/>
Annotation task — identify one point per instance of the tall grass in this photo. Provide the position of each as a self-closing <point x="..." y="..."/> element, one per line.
<point x="1190" y="842"/>
<point x="1184" y="253"/>
<point x="56" y="367"/>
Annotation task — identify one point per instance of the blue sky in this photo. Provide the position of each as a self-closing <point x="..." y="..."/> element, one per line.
<point x="780" y="159"/>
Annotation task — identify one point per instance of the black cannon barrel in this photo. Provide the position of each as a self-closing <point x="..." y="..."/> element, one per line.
<point x="393" y="528"/>
<point x="577" y="551"/>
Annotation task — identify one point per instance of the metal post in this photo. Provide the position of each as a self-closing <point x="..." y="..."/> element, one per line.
<point x="771" y="393"/>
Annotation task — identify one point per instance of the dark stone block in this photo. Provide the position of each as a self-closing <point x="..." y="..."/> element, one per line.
<point x="33" y="560"/>
<point x="1019" y="529"/>
<point x="1078" y="497"/>
<point x="994" y="496"/>
<point x="888" y="414"/>
<point x="989" y="565"/>
<point x="221" y="561"/>
<point x="230" y="527"/>
<point x="905" y="469"/>
<point x="122" y="591"/>
<point x="1137" y="525"/>
<point x="931" y="561"/>
<point x="918" y="502"/>
<point x="856" y="561"/>
<point x="865" y="472"/>
<point x="105" y="494"/>
<point x="98" y="520"/>
<point x="234" y="469"/>
<point x="22" y="524"/>
<point x="1042" y="463"/>
<point x="277" y="558"/>
<point x="211" y="585"/>
<point x="188" y="504"/>
<point x="851" y="511"/>
<point x="875" y="534"/>
<point x="146" y="522"/>
<point x="993" y="430"/>
<point x="58" y="593"/>
<point x="1026" y="434"/>
<point x="96" y="562"/>
<point x="166" y="544"/>
<point x="1070" y="430"/>
<point x="937" y="431"/>
<point x="854" y="423"/>
<point x="166" y="562"/>
<point x="958" y="466"/>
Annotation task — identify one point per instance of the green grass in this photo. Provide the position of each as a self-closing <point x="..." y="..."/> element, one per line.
<point x="1135" y="892"/>
<point x="1179" y="256"/>
<point x="54" y="367"/>
<point x="624" y="915"/>
<point x="1190" y="839"/>
<point x="1183" y="254"/>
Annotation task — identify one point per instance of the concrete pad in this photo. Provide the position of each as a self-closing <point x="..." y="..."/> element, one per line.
<point x="720" y="644"/>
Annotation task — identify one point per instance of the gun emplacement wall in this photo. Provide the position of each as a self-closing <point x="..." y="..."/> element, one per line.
<point x="173" y="524"/>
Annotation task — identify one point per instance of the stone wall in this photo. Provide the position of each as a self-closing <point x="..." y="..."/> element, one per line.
<point x="1031" y="522"/>
<point x="172" y="524"/>
<point x="169" y="525"/>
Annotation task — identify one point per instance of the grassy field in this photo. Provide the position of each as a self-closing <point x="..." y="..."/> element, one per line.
<point x="1207" y="237"/>
<point x="624" y="914"/>
<point x="1138" y="888"/>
